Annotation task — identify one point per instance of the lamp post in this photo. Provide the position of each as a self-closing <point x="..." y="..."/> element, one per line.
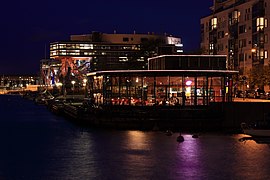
<point x="73" y="83"/>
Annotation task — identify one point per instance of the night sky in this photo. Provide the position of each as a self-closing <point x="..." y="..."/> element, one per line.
<point x="27" y="27"/>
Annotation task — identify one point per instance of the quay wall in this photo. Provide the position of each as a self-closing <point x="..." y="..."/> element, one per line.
<point x="215" y="117"/>
<point x="234" y="113"/>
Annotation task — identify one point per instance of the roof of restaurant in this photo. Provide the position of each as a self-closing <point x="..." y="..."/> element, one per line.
<point x="164" y="72"/>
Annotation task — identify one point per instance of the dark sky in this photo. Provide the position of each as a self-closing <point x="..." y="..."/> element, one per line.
<point x="29" y="26"/>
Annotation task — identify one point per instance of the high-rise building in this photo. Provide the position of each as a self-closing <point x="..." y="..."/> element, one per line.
<point x="100" y="51"/>
<point x="240" y="30"/>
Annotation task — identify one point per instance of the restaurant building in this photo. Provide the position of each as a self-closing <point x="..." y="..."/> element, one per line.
<point x="171" y="80"/>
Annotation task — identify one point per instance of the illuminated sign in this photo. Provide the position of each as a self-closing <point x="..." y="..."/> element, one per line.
<point x="188" y="83"/>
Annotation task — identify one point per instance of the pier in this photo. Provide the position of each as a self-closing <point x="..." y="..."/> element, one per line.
<point x="226" y="116"/>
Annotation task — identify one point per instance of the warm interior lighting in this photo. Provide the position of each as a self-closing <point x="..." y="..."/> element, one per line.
<point x="188" y="83"/>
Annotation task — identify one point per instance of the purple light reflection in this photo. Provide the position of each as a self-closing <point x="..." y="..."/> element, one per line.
<point x="188" y="158"/>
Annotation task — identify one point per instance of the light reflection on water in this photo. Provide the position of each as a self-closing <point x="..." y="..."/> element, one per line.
<point x="35" y="144"/>
<point x="252" y="160"/>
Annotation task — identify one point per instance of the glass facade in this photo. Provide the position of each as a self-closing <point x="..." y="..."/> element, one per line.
<point x="155" y="88"/>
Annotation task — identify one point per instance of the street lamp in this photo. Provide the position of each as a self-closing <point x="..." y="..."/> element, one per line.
<point x="73" y="83"/>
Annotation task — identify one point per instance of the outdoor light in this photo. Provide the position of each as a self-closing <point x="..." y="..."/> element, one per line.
<point x="85" y="88"/>
<point x="84" y="82"/>
<point x="253" y="50"/>
<point x="59" y="84"/>
<point x="73" y="82"/>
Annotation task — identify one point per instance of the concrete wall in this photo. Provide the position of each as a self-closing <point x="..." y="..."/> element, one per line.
<point x="234" y="113"/>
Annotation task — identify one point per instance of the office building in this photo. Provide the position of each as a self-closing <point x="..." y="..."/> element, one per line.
<point x="100" y="51"/>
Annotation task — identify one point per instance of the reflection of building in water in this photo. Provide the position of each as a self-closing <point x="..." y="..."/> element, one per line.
<point x="199" y="79"/>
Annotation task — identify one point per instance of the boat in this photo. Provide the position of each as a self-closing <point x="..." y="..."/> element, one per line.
<point x="255" y="131"/>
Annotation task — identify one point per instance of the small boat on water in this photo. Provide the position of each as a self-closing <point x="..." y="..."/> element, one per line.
<point x="255" y="131"/>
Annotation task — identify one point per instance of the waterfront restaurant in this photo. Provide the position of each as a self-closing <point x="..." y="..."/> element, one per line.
<point x="171" y="80"/>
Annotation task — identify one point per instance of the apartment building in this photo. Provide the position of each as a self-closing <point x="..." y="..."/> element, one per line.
<point x="240" y="30"/>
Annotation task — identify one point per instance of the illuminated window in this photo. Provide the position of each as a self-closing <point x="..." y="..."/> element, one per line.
<point x="88" y="53"/>
<point x="261" y="54"/>
<point x="214" y="22"/>
<point x="62" y="52"/>
<point x="234" y="17"/>
<point x="86" y="46"/>
<point x="127" y="47"/>
<point x="265" y="54"/>
<point x="211" y="46"/>
<point x="62" y="46"/>
<point x="260" y="23"/>
<point x="123" y="59"/>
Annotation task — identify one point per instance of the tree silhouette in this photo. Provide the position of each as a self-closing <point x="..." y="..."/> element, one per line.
<point x="258" y="76"/>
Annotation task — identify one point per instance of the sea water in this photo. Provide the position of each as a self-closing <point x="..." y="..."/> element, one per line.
<point x="36" y="144"/>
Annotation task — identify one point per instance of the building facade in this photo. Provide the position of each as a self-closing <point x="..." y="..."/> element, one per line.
<point x="100" y="51"/>
<point x="172" y="80"/>
<point x="18" y="83"/>
<point x="240" y="30"/>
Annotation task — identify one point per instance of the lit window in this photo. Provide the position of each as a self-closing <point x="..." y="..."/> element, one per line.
<point x="214" y="23"/>
<point x="86" y="46"/>
<point x="211" y="46"/>
<point x="261" y="54"/>
<point x="265" y="54"/>
<point x="234" y="17"/>
<point x="260" y="23"/>
<point x="123" y="59"/>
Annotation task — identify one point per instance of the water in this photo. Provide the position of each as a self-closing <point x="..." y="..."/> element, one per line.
<point x="35" y="144"/>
